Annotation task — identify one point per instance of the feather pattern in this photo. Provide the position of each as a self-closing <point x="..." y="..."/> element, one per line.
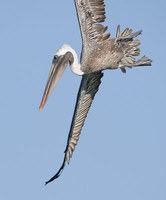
<point x="88" y="88"/>
<point x="90" y="14"/>
<point x="99" y="52"/>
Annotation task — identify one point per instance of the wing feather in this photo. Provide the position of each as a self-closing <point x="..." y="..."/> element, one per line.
<point x="90" y="13"/>
<point x="88" y="88"/>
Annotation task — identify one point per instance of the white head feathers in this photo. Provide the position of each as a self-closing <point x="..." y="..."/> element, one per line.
<point x="75" y="67"/>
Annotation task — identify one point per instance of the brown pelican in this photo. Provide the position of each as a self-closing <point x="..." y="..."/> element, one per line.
<point x="99" y="52"/>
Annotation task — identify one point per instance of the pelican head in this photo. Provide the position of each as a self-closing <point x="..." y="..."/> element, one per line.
<point x="62" y="57"/>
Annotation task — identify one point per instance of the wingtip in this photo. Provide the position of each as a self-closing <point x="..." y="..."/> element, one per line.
<point x="56" y="175"/>
<point x="48" y="182"/>
<point x="52" y="179"/>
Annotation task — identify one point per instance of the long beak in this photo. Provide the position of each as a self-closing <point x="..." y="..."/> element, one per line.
<point x="58" y="67"/>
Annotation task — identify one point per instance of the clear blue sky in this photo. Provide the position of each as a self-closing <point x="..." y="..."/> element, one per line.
<point x="121" y="153"/>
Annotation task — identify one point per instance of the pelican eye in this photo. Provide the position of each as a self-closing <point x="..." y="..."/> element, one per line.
<point x="55" y="57"/>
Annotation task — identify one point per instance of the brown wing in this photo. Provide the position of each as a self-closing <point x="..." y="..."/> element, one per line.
<point x="88" y="88"/>
<point x="90" y="13"/>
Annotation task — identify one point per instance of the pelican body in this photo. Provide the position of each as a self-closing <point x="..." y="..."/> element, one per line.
<point x="99" y="52"/>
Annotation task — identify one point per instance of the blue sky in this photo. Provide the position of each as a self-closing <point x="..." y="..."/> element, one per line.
<point x="122" y="149"/>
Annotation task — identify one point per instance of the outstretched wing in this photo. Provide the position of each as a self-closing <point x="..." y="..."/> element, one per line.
<point x="88" y="88"/>
<point x="90" y="13"/>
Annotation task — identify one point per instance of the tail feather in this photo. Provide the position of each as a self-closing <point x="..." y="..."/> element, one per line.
<point x="127" y="37"/>
<point x="127" y="34"/>
<point x="144" y="61"/>
<point x="134" y="43"/>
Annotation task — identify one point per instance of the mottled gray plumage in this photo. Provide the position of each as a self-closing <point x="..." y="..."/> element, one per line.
<point x="99" y="52"/>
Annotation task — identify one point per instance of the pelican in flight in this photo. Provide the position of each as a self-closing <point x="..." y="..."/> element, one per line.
<point x="99" y="52"/>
